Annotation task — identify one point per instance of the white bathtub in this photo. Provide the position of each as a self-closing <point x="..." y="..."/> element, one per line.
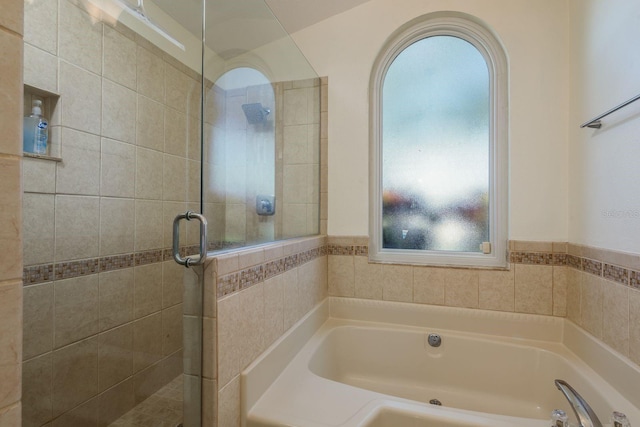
<point x="358" y="363"/>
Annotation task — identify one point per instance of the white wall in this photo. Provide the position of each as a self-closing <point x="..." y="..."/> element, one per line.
<point x="535" y="35"/>
<point x="604" y="165"/>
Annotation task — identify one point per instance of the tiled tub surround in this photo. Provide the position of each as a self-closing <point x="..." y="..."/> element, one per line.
<point x="262" y="292"/>
<point x="597" y="289"/>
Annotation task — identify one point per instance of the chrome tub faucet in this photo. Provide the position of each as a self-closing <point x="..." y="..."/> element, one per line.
<point x="584" y="413"/>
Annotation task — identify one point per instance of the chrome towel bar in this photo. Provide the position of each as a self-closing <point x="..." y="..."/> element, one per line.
<point x="596" y="124"/>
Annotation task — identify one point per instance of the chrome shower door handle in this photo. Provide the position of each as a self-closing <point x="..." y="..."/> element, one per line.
<point x="188" y="262"/>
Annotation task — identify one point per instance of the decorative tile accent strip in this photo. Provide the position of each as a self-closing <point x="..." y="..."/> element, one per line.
<point x="634" y="279"/>
<point x="536" y="258"/>
<point x="591" y="266"/>
<point x="560" y="259"/>
<point x="116" y="262"/>
<point x="616" y="274"/>
<point x="69" y="270"/>
<point x="149" y="257"/>
<point x="37" y="274"/>
<point x="251" y="276"/>
<point x="34" y="274"/>
<point x="248" y="277"/>
<point x="361" y="250"/>
<point x="273" y="268"/>
<point x="227" y="284"/>
<point x="574" y="262"/>
<point x="340" y="250"/>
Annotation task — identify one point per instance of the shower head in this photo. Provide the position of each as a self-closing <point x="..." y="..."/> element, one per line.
<point x="255" y="113"/>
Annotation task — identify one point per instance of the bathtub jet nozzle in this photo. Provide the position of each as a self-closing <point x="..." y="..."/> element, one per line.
<point x="435" y="402"/>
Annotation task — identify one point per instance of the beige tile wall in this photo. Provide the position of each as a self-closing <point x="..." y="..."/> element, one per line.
<point x="103" y="306"/>
<point x="11" y="30"/>
<point x="274" y="286"/>
<point x="597" y="289"/>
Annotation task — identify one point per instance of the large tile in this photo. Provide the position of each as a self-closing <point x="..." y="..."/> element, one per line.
<point x="38" y="320"/>
<point x="150" y="123"/>
<point x="119" y="106"/>
<point x="534" y="289"/>
<point x="292" y="300"/>
<point x="560" y="279"/>
<point x="296" y="107"/>
<point x="84" y="415"/>
<point x="81" y="98"/>
<point x="41" y="24"/>
<point x="591" y="304"/>
<point x="76" y="233"/>
<point x="228" y="338"/>
<point x="116" y="402"/>
<point x="172" y="330"/>
<point x="574" y="291"/>
<point x="209" y="348"/>
<point x="149" y="232"/>
<point x="368" y="278"/>
<point x="229" y="404"/>
<point x="119" y="58"/>
<point x="634" y="325"/>
<point x="117" y="225"/>
<point x="147" y="341"/>
<point x="10" y="341"/>
<point x="75" y="375"/>
<point x="428" y="285"/>
<point x="149" y="173"/>
<point x="147" y="289"/>
<point x="497" y="290"/>
<point x="175" y="132"/>
<point x="341" y="276"/>
<point x="76" y="309"/>
<point x="252" y="318"/>
<point x="11" y="415"/>
<point x="12" y="16"/>
<point x="117" y="169"/>
<point x="80" y="37"/>
<point x="115" y="356"/>
<point x="147" y="382"/>
<point x="296" y="186"/>
<point x="40" y="69"/>
<point x="397" y="283"/>
<point x="79" y="172"/>
<point x="38" y="228"/>
<point x="38" y="175"/>
<point x="169" y="211"/>
<point x="179" y="89"/>
<point x="37" y="392"/>
<point x="150" y="74"/>
<point x="615" y="319"/>
<point x="116" y="298"/>
<point x="172" y="283"/>
<point x="11" y="219"/>
<point x="174" y="182"/>
<point x="461" y="288"/>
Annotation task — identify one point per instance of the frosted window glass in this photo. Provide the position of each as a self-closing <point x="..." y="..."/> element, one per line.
<point x="435" y="147"/>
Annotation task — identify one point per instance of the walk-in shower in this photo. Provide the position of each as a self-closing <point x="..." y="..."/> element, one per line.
<point x="155" y="110"/>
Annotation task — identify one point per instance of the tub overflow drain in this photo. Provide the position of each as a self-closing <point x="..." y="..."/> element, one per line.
<point x="434" y="340"/>
<point x="435" y="402"/>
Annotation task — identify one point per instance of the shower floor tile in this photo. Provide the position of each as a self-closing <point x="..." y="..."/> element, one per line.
<point x="162" y="409"/>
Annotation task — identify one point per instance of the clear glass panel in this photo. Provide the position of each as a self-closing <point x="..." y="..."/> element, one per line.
<point x="435" y="147"/>
<point x="261" y="131"/>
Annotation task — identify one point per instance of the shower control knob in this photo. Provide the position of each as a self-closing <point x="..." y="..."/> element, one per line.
<point x="434" y="340"/>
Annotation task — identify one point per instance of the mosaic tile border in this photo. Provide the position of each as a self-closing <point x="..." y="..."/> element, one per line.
<point x="243" y="279"/>
<point x="610" y="272"/>
<point x="34" y="274"/>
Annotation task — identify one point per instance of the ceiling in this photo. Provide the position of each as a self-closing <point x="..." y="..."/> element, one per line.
<point x="295" y="15"/>
<point x="235" y="26"/>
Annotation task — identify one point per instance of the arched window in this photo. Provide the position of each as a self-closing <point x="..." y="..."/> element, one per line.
<point x="439" y="145"/>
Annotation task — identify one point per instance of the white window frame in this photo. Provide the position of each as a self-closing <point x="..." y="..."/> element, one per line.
<point x="471" y="30"/>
